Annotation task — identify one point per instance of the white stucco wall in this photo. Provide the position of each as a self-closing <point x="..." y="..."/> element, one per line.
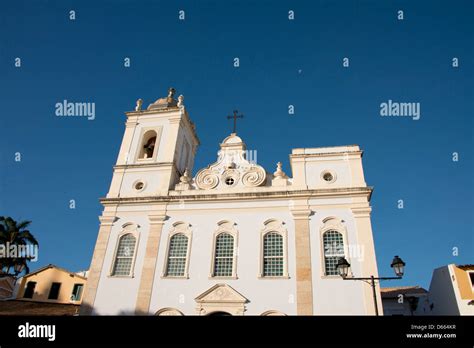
<point x="118" y="295"/>
<point x="442" y="297"/>
<point x="263" y="294"/>
<point x="331" y="295"/>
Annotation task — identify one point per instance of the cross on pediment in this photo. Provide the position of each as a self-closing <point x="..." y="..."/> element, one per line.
<point x="235" y="117"/>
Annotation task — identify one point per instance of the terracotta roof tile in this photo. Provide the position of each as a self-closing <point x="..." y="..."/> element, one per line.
<point x="404" y="290"/>
<point x="19" y="307"/>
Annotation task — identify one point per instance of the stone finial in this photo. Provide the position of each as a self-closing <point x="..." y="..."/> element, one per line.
<point x="171" y="92"/>
<point x="184" y="182"/>
<point x="138" y="106"/>
<point x="279" y="177"/>
<point x="185" y="178"/>
<point x="180" y="101"/>
<point x="279" y="173"/>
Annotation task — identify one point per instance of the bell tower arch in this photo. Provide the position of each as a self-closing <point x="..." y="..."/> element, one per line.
<point x="159" y="143"/>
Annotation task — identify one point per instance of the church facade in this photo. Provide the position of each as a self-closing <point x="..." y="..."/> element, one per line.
<point x="234" y="239"/>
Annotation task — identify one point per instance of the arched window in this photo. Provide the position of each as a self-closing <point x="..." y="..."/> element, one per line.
<point x="124" y="255"/>
<point x="169" y="312"/>
<point x="148" y="145"/>
<point x="333" y="243"/>
<point x="224" y="255"/>
<point x="273" y="255"/>
<point x="177" y="255"/>
<point x="273" y="250"/>
<point x="272" y="313"/>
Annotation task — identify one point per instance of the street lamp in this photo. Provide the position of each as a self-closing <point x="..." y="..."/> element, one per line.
<point x="397" y="264"/>
<point x="343" y="267"/>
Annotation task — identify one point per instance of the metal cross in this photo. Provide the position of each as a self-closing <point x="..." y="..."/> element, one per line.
<point x="235" y="117"/>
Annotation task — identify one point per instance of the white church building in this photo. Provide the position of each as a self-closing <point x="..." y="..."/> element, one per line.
<point x="234" y="239"/>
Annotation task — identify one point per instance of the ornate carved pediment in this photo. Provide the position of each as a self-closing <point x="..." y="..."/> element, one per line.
<point x="221" y="293"/>
<point x="232" y="168"/>
<point x="333" y="223"/>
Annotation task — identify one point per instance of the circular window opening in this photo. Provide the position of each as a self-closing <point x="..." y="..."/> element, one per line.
<point x="139" y="186"/>
<point x="328" y="177"/>
<point x="229" y="181"/>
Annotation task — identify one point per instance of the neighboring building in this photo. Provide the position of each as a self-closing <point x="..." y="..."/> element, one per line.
<point x="51" y="284"/>
<point x="402" y="300"/>
<point x="451" y="291"/>
<point x="84" y="274"/>
<point x="20" y="307"/>
<point x="235" y="239"/>
<point x="7" y="285"/>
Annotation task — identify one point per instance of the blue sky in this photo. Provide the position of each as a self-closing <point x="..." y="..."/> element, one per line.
<point x="282" y="62"/>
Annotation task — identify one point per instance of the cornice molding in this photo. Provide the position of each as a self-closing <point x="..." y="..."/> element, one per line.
<point x="107" y="220"/>
<point x="152" y="111"/>
<point x="301" y="214"/>
<point x="328" y="154"/>
<point x="304" y="194"/>
<point x="361" y="212"/>
<point x="175" y="119"/>
<point x="157" y="219"/>
<point x="131" y="124"/>
<point x="143" y="165"/>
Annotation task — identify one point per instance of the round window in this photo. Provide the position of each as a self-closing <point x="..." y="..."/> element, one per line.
<point x="229" y="181"/>
<point x="328" y="177"/>
<point x="139" y="186"/>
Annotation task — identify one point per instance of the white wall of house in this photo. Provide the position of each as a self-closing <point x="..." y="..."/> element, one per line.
<point x="444" y="296"/>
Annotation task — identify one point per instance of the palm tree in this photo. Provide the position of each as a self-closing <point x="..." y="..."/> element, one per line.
<point x="17" y="234"/>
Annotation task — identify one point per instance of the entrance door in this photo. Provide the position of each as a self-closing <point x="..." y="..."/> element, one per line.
<point x="220" y="313"/>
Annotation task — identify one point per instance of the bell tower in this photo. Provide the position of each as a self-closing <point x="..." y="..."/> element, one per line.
<point x="158" y="145"/>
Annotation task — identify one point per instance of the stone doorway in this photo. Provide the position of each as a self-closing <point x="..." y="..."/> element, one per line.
<point x="221" y="299"/>
<point x="219" y="314"/>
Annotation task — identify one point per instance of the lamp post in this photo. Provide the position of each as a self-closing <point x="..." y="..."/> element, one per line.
<point x="398" y="267"/>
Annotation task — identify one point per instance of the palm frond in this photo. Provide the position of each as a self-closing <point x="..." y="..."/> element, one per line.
<point x="23" y="224"/>
<point x="15" y="233"/>
<point x="26" y="236"/>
